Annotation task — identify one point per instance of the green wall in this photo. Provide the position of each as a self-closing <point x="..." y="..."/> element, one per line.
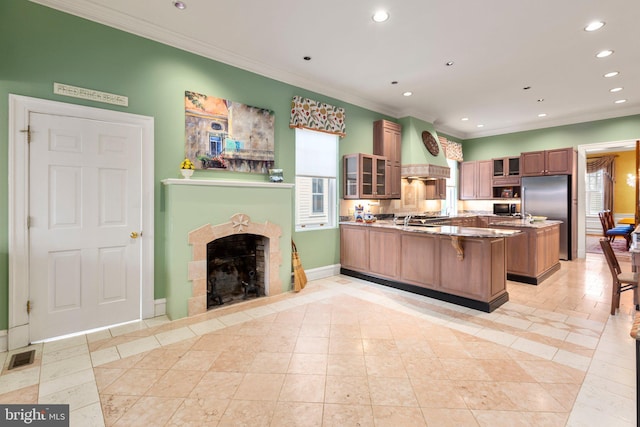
<point x="512" y="144"/>
<point x="40" y="46"/>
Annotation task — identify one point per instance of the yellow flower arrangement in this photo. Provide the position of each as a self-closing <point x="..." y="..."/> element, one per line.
<point x="187" y="164"/>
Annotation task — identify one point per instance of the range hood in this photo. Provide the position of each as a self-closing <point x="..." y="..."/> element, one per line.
<point x="417" y="161"/>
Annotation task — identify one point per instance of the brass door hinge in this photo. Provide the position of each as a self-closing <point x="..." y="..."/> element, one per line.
<point x="28" y="306"/>
<point x="28" y="131"/>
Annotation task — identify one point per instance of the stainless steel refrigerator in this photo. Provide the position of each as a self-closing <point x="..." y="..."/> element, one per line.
<point x="550" y="196"/>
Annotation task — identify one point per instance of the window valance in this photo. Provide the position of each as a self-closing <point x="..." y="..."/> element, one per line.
<point x="452" y="150"/>
<point x="309" y="114"/>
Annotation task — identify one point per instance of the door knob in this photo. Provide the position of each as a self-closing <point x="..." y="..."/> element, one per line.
<point x="133" y="235"/>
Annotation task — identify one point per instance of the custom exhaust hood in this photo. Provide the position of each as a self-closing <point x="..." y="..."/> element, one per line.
<point x="422" y="155"/>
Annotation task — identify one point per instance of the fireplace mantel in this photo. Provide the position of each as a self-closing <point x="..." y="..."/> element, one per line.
<point x="226" y="183"/>
<point x="188" y="204"/>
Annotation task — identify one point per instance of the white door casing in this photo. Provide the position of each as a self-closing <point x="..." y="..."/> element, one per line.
<point x="70" y="246"/>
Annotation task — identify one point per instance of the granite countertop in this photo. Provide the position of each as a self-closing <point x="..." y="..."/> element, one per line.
<point x="449" y="230"/>
<point x="524" y="223"/>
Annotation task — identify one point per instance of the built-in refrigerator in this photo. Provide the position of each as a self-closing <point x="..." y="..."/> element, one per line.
<point x="550" y="196"/>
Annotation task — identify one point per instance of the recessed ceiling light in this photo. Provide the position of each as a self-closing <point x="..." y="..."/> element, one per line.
<point x="542" y="115"/>
<point x="395" y="82"/>
<point x="407" y="93"/>
<point x="306" y="58"/>
<point x="464" y="119"/>
<point x="612" y="74"/>
<point x="380" y="16"/>
<point x="526" y="88"/>
<point x="540" y="99"/>
<point x="593" y="26"/>
<point x="620" y="101"/>
<point x="615" y="89"/>
<point x="480" y="126"/>
<point x="180" y="5"/>
<point x="448" y="63"/>
<point x="604" y="53"/>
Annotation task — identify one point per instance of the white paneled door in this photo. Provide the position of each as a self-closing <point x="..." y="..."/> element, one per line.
<point x="84" y="224"/>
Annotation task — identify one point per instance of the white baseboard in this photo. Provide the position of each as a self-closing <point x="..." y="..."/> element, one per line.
<point x="321" y="272"/>
<point x="3" y="341"/>
<point x="160" y="307"/>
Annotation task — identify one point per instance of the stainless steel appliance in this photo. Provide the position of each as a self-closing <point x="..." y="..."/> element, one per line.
<point x="504" y="209"/>
<point x="550" y="196"/>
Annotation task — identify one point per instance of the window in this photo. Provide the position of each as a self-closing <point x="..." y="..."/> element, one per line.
<point x="595" y="192"/>
<point x="317" y="194"/>
<point x="316" y="170"/>
<point x="450" y="205"/>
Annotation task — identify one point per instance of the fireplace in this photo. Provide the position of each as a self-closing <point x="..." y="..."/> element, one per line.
<point x="232" y="262"/>
<point x="235" y="269"/>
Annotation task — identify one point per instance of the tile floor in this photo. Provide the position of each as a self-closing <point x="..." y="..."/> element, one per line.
<point x="346" y="352"/>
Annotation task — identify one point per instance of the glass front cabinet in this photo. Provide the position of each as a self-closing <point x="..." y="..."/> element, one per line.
<point x="364" y="176"/>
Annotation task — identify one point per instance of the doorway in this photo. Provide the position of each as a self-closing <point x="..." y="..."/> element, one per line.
<point x="81" y="219"/>
<point x="600" y="148"/>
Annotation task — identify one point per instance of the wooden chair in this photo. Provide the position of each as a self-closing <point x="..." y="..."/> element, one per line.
<point x="621" y="281"/>
<point x="610" y="231"/>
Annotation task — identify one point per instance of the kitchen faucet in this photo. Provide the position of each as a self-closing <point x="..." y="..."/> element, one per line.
<point x="406" y="220"/>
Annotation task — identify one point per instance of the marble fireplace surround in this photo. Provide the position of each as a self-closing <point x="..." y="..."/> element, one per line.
<point x="239" y="224"/>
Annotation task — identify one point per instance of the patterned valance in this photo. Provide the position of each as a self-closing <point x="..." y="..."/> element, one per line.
<point x="309" y="114"/>
<point x="452" y="150"/>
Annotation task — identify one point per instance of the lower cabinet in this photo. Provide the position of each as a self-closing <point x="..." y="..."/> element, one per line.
<point x="429" y="261"/>
<point x="533" y="254"/>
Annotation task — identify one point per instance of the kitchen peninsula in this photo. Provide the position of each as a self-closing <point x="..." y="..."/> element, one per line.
<point x="464" y="265"/>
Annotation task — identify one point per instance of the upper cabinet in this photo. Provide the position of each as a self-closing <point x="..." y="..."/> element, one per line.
<point x="549" y="162"/>
<point x="506" y="166"/>
<point x="364" y="176"/>
<point x="475" y="180"/>
<point x="435" y="189"/>
<point x="387" y="140"/>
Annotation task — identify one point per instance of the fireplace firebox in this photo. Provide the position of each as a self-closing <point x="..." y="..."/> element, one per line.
<point x="235" y="269"/>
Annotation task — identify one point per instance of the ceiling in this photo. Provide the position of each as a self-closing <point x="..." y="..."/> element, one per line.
<point x="498" y="47"/>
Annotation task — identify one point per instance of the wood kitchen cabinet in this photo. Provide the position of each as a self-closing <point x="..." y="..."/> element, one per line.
<point x="506" y="166"/>
<point x="435" y="189"/>
<point x="364" y="176"/>
<point x="549" y="162"/>
<point x="387" y="142"/>
<point x="476" y="180"/>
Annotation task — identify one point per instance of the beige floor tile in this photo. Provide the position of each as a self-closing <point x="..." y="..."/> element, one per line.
<point x="134" y="382"/>
<point x="308" y="364"/>
<point x="148" y="411"/>
<point x="346" y="346"/>
<point x="438" y="394"/>
<point x="114" y="406"/>
<point x="312" y="345"/>
<point x="449" y="417"/>
<point x="485" y="395"/>
<point x="346" y="364"/>
<point x="260" y="387"/>
<point x="217" y="385"/>
<point x="385" y="366"/>
<point x="347" y="415"/>
<point x="25" y="395"/>
<point x="198" y="412"/>
<point x="303" y="388"/>
<point x="346" y="390"/>
<point x="391" y="392"/>
<point x="297" y="414"/>
<point x="175" y="383"/>
<point x="248" y="413"/>
<point x="390" y="416"/>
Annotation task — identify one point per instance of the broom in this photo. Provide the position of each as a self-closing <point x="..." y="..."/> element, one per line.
<point x="299" y="276"/>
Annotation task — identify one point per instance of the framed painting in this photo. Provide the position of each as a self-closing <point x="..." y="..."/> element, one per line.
<point x="226" y="135"/>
